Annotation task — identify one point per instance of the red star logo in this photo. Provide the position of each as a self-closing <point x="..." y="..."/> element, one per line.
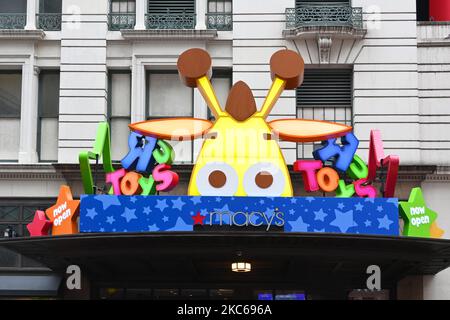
<point x="40" y="225"/>
<point x="198" y="218"/>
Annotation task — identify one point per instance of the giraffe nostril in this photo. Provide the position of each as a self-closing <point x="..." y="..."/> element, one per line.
<point x="217" y="179"/>
<point x="264" y="179"/>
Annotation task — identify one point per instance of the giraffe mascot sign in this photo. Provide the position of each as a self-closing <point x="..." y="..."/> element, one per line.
<point x="240" y="176"/>
<point x="240" y="155"/>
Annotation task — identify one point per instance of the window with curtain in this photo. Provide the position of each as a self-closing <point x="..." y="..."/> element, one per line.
<point x="168" y="97"/>
<point x="119" y="112"/>
<point x="10" y="108"/>
<point x="48" y="115"/>
<point x="326" y="94"/>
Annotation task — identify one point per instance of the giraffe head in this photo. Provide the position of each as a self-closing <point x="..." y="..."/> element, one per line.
<point x="240" y="155"/>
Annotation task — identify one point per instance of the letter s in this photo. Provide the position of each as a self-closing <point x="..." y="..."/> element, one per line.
<point x="168" y="179"/>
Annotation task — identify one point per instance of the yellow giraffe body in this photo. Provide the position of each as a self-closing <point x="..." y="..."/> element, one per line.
<point x="240" y="144"/>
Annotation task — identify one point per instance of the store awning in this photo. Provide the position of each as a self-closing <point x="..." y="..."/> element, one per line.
<point x="302" y="260"/>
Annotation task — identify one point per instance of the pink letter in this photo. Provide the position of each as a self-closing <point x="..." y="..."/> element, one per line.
<point x="114" y="179"/>
<point x="308" y="169"/>
<point x="169" y="179"/>
<point x="364" y="191"/>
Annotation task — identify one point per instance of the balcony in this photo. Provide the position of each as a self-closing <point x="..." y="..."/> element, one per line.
<point x="13" y="20"/>
<point x="219" y="21"/>
<point x="324" y="22"/>
<point x="119" y="21"/>
<point x="319" y="18"/>
<point x="170" y="21"/>
<point x="49" y="21"/>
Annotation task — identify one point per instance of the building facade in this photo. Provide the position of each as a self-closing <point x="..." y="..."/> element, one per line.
<point x="67" y="65"/>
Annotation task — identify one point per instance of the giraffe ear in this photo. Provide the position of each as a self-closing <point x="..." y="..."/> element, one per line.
<point x="301" y="130"/>
<point x="173" y="128"/>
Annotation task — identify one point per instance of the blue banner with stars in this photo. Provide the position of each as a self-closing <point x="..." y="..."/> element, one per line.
<point x="109" y="213"/>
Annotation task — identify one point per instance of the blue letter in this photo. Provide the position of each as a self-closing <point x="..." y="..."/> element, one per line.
<point x="140" y="154"/>
<point x="343" y="155"/>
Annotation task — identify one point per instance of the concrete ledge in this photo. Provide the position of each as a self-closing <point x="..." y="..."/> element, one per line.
<point x="313" y="31"/>
<point x="168" y="34"/>
<point x="22" y="34"/>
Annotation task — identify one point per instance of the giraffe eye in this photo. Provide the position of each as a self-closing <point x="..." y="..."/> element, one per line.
<point x="217" y="178"/>
<point x="264" y="179"/>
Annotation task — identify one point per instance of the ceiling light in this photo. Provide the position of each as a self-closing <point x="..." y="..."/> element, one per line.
<point x="241" y="267"/>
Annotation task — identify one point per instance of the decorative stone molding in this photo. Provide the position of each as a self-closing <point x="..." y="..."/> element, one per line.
<point x="160" y="34"/>
<point x="324" y="43"/>
<point x="20" y="34"/>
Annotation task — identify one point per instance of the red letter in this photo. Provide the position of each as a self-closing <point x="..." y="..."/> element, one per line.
<point x="308" y="169"/>
<point x="377" y="160"/>
<point x="169" y="179"/>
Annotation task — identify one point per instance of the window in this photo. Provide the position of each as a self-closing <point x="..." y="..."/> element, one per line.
<point x="50" y="6"/>
<point x="423" y="10"/>
<point x="16" y="6"/>
<point x="48" y="115"/>
<point x="10" y="105"/>
<point x="122" y="14"/>
<point x="123" y="6"/>
<point x="220" y="15"/>
<point x="13" y="14"/>
<point x="324" y="2"/>
<point x="220" y="6"/>
<point x="221" y="82"/>
<point x="167" y="96"/>
<point x="325" y="94"/>
<point x="119" y="112"/>
<point x="16" y="214"/>
<point x="49" y="16"/>
<point x="173" y="7"/>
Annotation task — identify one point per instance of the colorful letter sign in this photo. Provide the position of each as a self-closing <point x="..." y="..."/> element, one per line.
<point x="419" y="220"/>
<point x="239" y="156"/>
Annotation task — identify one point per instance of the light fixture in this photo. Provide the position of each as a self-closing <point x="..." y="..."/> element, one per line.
<point x="241" y="266"/>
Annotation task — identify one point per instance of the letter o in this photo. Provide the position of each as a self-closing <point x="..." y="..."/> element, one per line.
<point x="328" y="179"/>
<point x="129" y="185"/>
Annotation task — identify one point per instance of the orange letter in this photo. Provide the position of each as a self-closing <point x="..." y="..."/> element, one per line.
<point x="328" y="179"/>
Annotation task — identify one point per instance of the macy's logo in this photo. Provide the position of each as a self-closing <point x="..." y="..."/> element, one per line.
<point x="241" y="219"/>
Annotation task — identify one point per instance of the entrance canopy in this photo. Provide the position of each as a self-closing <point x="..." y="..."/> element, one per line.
<point x="301" y="260"/>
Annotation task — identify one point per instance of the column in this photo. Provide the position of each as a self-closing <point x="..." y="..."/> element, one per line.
<point x="200" y="11"/>
<point x="84" y="76"/>
<point x="138" y="82"/>
<point x="29" y="113"/>
<point x="140" y="14"/>
<point x="31" y="15"/>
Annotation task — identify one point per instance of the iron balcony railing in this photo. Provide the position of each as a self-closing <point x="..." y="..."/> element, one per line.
<point x="318" y="15"/>
<point x="118" y="21"/>
<point x="49" y="21"/>
<point x="13" y="20"/>
<point x="170" y="21"/>
<point x="219" y="21"/>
